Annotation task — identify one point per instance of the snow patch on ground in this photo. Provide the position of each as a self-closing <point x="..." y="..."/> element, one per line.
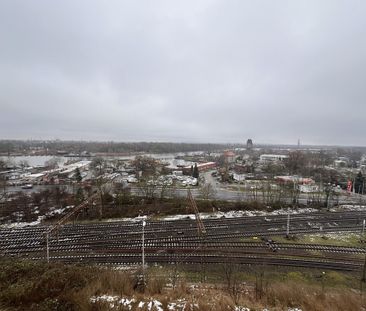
<point x="58" y="211"/>
<point x="235" y="214"/>
<point x="180" y="304"/>
<point x="348" y="207"/>
<point x="116" y="302"/>
<point x="217" y="215"/>
<point x="342" y="236"/>
<point x="53" y="212"/>
<point x="23" y="224"/>
<point x="238" y="308"/>
<point x="135" y="219"/>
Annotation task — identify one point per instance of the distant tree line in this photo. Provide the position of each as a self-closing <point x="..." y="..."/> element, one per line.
<point x="19" y="146"/>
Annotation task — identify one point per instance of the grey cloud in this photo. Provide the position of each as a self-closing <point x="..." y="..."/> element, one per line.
<point x="215" y="71"/>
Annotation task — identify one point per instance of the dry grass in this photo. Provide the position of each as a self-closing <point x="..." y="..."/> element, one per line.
<point x="312" y="297"/>
<point x="31" y="286"/>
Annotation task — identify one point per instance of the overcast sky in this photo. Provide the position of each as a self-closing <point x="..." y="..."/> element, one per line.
<point x="185" y="71"/>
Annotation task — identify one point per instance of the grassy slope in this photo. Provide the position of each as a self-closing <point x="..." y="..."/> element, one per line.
<point x="26" y="285"/>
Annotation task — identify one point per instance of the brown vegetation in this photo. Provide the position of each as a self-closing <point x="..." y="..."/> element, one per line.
<point x="27" y="285"/>
<point x="126" y="206"/>
<point x="22" y="207"/>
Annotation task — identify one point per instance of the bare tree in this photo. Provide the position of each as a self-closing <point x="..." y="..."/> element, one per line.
<point x="2" y="165"/>
<point x="273" y="169"/>
<point x="59" y="195"/>
<point x="295" y="192"/>
<point x="123" y="194"/>
<point x="207" y="192"/>
<point x="53" y="163"/>
<point x="173" y="274"/>
<point x="281" y="193"/>
<point x="230" y="272"/>
<point x="2" y="180"/>
<point x="268" y="193"/>
<point x="296" y="162"/>
<point x="104" y="189"/>
<point x="2" y="187"/>
<point x="164" y="190"/>
<point x="98" y="166"/>
<point x="259" y="284"/>
<point x="146" y="165"/>
<point x="254" y="192"/>
<point x="148" y="188"/>
<point x="23" y="164"/>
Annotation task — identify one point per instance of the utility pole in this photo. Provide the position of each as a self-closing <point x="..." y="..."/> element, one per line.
<point x="288" y="225"/>
<point x="143" y="251"/>
<point x="361" y="194"/>
<point x="47" y="248"/>
<point x="201" y="231"/>
<point x="363" y="227"/>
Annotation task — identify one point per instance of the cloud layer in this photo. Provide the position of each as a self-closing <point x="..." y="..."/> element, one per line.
<point x="192" y="71"/>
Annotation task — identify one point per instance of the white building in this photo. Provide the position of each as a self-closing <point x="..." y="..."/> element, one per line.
<point x="308" y="188"/>
<point x="265" y="158"/>
<point x="239" y="177"/>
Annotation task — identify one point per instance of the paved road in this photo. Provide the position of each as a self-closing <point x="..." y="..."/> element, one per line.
<point x="220" y="193"/>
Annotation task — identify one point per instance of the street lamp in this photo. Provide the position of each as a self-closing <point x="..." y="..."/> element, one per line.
<point x="143" y="250"/>
<point x="47" y="247"/>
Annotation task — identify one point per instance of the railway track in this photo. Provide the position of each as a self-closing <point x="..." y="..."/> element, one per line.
<point x="253" y="259"/>
<point x="123" y="246"/>
<point x="174" y="241"/>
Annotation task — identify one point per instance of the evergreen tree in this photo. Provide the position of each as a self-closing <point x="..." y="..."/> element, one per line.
<point x="78" y="176"/>
<point x="195" y="171"/>
<point x="359" y="183"/>
<point x="79" y="197"/>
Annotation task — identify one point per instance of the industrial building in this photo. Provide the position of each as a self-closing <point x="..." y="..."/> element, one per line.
<point x="265" y="158"/>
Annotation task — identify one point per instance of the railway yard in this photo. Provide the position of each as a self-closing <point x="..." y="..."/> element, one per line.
<point x="182" y="156"/>
<point x="240" y="240"/>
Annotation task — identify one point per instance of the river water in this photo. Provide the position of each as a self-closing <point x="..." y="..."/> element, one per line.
<point x="32" y="160"/>
<point x="41" y="160"/>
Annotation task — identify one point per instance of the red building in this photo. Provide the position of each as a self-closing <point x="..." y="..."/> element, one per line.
<point x="229" y="156"/>
<point x="202" y="167"/>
